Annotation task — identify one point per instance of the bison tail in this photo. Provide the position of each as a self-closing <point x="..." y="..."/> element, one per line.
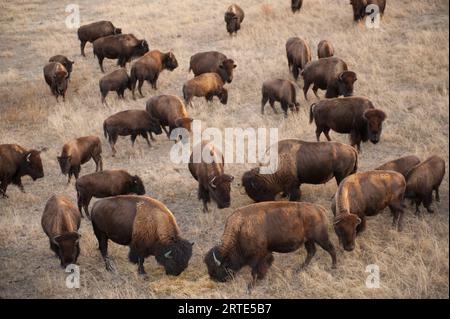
<point x="311" y="113"/>
<point x="133" y="256"/>
<point x="105" y="131"/>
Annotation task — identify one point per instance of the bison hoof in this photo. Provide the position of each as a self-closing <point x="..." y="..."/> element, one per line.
<point x="109" y="265"/>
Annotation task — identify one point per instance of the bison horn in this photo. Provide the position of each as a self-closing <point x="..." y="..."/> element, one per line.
<point x="340" y="76"/>
<point x="217" y="261"/>
<point x="167" y="255"/>
<point x="54" y="240"/>
<point x="28" y="157"/>
<point x="212" y="182"/>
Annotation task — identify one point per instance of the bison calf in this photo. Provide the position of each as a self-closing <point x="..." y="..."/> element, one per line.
<point x="325" y="49"/>
<point x="233" y="18"/>
<point x="117" y="80"/>
<point x="401" y="165"/>
<point x="212" y="61"/>
<point x="56" y="76"/>
<point x="93" y="31"/>
<point x="282" y="91"/>
<point x="298" y="55"/>
<point x="205" y="85"/>
<point x="64" y="61"/>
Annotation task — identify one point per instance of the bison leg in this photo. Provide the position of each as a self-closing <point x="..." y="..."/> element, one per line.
<point x="203" y="195"/>
<point x="397" y="212"/>
<point x="326" y="245"/>
<point x="104" y="98"/>
<point x="18" y="182"/>
<point x="315" y="89"/>
<point x="133" y="139"/>
<point x="436" y="189"/>
<point x="272" y="105"/>
<point x="427" y="202"/>
<point x="100" y="62"/>
<point x="98" y="162"/>
<point x="86" y="202"/>
<point x="103" y="247"/>
<point x="418" y="201"/>
<point x="327" y="133"/>
<point x="141" y="269"/>
<point x="82" y="45"/>
<point x="263" y="103"/>
<point x="311" y="251"/>
<point x="294" y="193"/>
<point x="154" y="82"/>
<point x="295" y="72"/>
<point x="145" y="135"/>
<point x="355" y="139"/>
<point x="284" y="107"/>
<point x="306" y="86"/>
<point x="3" y="187"/>
<point x="141" y="82"/>
<point x="112" y="142"/>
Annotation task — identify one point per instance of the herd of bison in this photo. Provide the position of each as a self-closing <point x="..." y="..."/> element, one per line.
<point x="252" y="233"/>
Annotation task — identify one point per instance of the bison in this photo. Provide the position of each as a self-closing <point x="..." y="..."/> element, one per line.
<point x="146" y="226"/>
<point x="233" y="18"/>
<point x="93" y="31"/>
<point x="282" y="91"/>
<point x="64" y="61"/>
<point x="123" y="47"/>
<point x="298" y="55"/>
<point x="325" y="49"/>
<point x="130" y="122"/>
<point x="56" y="76"/>
<point x="212" y="61"/>
<point x="360" y="8"/>
<point x="366" y="194"/>
<point x="15" y="162"/>
<point x="330" y="74"/>
<point x="104" y="184"/>
<point x="252" y="233"/>
<point x="117" y="80"/>
<point x="423" y="179"/>
<point x="79" y="151"/>
<point x="301" y="162"/>
<point x="296" y="5"/>
<point x="205" y="85"/>
<point x="350" y="115"/>
<point x="60" y="222"/>
<point x="401" y="165"/>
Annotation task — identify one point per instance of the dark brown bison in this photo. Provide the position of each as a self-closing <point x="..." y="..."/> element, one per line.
<point x="130" y="122"/>
<point x="325" y="49"/>
<point x="212" y="61"/>
<point x="366" y="194"/>
<point x="252" y="233"/>
<point x="350" y="115"/>
<point x="282" y="91"/>
<point x="104" y="184"/>
<point x="64" y="61"/>
<point x="330" y="74"/>
<point x="117" y="80"/>
<point x="123" y="47"/>
<point x="146" y="226"/>
<point x="93" y="31"/>
<point x="56" y="76"/>
<point x="170" y="111"/>
<point x="79" y="151"/>
<point x="298" y="55"/>
<point x="15" y="162"/>
<point x="360" y="8"/>
<point x="148" y="68"/>
<point x="296" y="5"/>
<point x="205" y="85"/>
<point x="423" y="179"/>
<point x="61" y="221"/>
<point x="401" y="165"/>
<point x="299" y="163"/>
<point x="206" y="165"/>
<point x="233" y="18"/>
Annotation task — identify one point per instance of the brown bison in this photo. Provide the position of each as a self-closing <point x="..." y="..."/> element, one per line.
<point x="104" y="184"/>
<point x="350" y="115"/>
<point x="233" y="18"/>
<point x="64" y="61"/>
<point x="401" y="165"/>
<point x="79" y="151"/>
<point x="366" y="194"/>
<point x="205" y="85"/>
<point x="296" y="5"/>
<point x="301" y="162"/>
<point x="148" y="68"/>
<point x="146" y="226"/>
<point x="56" y="76"/>
<point x="15" y="162"/>
<point x="212" y="61"/>
<point x="123" y="47"/>
<point x="170" y="111"/>
<point x="298" y="55"/>
<point x="130" y="122"/>
<point x="330" y="74"/>
<point x="282" y="91"/>
<point x="93" y="31"/>
<point x="423" y="179"/>
<point x="61" y="221"/>
<point x="360" y="8"/>
<point x="252" y="233"/>
<point x="325" y="49"/>
<point x="117" y="80"/>
<point x="206" y="165"/>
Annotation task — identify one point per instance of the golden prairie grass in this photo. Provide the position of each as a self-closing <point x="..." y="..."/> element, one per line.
<point x="402" y="67"/>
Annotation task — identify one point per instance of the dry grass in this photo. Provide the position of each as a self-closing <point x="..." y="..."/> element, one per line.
<point x="402" y="67"/>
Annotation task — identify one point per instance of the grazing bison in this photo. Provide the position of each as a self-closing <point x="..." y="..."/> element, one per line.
<point x="170" y="111"/>
<point x="330" y="74"/>
<point x="15" y="162"/>
<point x="301" y="162"/>
<point x="366" y="194"/>
<point x="206" y="165"/>
<point x="123" y="47"/>
<point x="252" y="233"/>
<point x="93" y="31"/>
<point x="360" y="7"/>
<point x="130" y="122"/>
<point x="64" y="61"/>
<point x="79" y="151"/>
<point x="298" y="55"/>
<point x="325" y="49"/>
<point x="117" y="80"/>
<point x="350" y="115"/>
<point x="61" y="221"/>
<point x="212" y="61"/>
<point x="148" y="68"/>
<point x="423" y="179"/>
<point x="401" y="165"/>
<point x="104" y="184"/>
<point x="282" y="91"/>
<point x="56" y="76"/>
<point x="205" y="85"/>
<point x="146" y="226"/>
<point x="296" y="5"/>
<point x="233" y="18"/>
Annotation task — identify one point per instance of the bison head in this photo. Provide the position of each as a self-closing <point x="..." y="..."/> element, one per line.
<point x="374" y="119"/>
<point x="60" y="79"/>
<point x="296" y="5"/>
<point x="32" y="165"/>
<point x="184" y="122"/>
<point x="345" y="228"/>
<point x="233" y="22"/>
<point x="68" y="247"/>
<point x="257" y="187"/>
<point x="219" y="188"/>
<point x="155" y="126"/>
<point x="221" y="268"/>
<point x="345" y="83"/>
<point x="141" y="48"/>
<point x="223" y="96"/>
<point x="359" y="9"/>
<point x="64" y="163"/>
<point x="175" y="256"/>
<point x="170" y="62"/>
<point x="226" y="69"/>
<point x="137" y="187"/>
